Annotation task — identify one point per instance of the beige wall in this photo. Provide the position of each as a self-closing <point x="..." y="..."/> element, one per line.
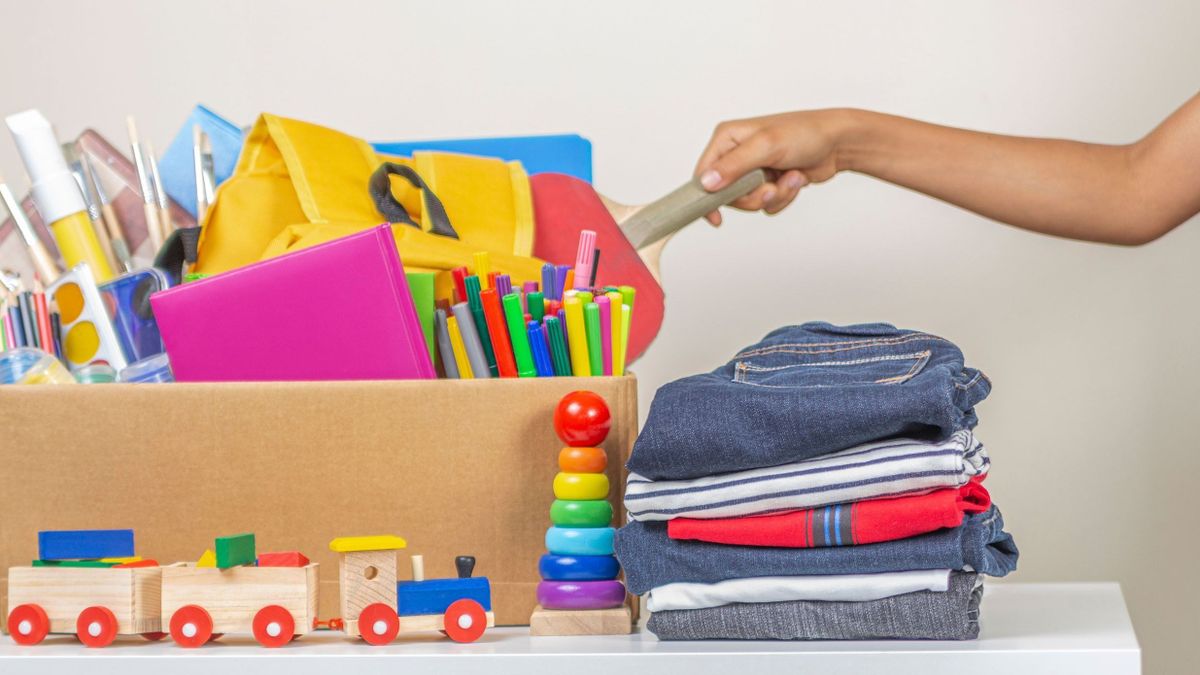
<point x="1093" y="350"/>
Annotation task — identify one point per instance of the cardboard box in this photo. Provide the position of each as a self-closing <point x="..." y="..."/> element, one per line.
<point x="457" y="467"/>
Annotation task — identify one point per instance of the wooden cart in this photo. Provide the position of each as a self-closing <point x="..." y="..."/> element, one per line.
<point x="96" y="604"/>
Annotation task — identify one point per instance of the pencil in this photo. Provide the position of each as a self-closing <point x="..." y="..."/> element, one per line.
<point x="42" y="311"/>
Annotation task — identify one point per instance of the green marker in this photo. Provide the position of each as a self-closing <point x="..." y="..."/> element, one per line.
<point x="537" y="305"/>
<point x="584" y="297"/>
<point x="591" y="321"/>
<point x="515" y="316"/>
<point x="559" y="355"/>
<point x="627" y="295"/>
<point x="481" y="327"/>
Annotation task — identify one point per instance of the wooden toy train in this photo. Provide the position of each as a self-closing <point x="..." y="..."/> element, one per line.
<point x="89" y="583"/>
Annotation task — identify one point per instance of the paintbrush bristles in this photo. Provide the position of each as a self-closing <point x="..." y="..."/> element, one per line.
<point x="133" y="136"/>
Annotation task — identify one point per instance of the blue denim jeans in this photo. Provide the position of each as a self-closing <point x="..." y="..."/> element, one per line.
<point x="651" y="559"/>
<point x="805" y="391"/>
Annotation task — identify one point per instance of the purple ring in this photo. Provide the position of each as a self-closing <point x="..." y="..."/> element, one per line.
<point x="580" y="594"/>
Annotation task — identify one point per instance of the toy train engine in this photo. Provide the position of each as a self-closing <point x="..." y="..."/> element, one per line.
<point x="377" y="607"/>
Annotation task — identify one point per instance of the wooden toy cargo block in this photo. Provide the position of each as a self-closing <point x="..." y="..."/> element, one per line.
<point x="273" y="603"/>
<point x="95" y="603"/>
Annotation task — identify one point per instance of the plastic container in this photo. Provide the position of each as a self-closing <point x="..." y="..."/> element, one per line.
<point x="156" y="368"/>
<point x="96" y="373"/>
<point x="26" y="365"/>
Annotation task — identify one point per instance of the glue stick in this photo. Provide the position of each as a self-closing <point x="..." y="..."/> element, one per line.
<point x="56" y="193"/>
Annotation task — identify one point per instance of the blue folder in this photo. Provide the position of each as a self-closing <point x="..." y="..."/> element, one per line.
<point x="176" y="167"/>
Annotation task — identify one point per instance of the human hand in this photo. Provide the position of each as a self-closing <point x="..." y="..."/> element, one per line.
<point x="795" y="149"/>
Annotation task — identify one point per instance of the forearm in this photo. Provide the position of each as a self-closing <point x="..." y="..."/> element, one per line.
<point x="1064" y="188"/>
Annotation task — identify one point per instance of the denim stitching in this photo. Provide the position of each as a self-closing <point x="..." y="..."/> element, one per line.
<point x="803" y="347"/>
<point x="920" y="359"/>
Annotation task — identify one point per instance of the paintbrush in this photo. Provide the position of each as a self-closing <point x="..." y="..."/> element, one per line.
<point x="199" y="138"/>
<point x="164" y="205"/>
<point x="90" y="202"/>
<point x="43" y="264"/>
<point x="149" y="207"/>
<point x="108" y="215"/>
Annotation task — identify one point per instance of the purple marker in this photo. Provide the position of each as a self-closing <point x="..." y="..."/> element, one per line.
<point x="560" y="281"/>
<point x="562" y="321"/>
<point x="503" y="285"/>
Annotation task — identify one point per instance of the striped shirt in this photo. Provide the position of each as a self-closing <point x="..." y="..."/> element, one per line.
<point x="880" y="469"/>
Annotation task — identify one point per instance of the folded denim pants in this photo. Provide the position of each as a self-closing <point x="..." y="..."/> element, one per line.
<point x="805" y="391"/>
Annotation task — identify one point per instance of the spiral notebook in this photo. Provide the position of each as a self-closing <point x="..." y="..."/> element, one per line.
<point x="337" y="311"/>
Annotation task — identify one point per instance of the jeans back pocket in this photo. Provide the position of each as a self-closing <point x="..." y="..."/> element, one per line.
<point x="784" y="369"/>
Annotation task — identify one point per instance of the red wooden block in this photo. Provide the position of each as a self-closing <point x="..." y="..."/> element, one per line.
<point x="282" y="559"/>
<point x="138" y="563"/>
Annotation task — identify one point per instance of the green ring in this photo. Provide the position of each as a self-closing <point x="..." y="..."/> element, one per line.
<point x="581" y="513"/>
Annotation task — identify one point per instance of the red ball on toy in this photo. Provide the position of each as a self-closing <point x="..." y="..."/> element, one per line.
<point x="582" y="419"/>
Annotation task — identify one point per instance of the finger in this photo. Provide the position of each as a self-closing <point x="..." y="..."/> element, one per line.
<point x="757" y="199"/>
<point x="789" y="186"/>
<point x="724" y="138"/>
<point x="714" y="218"/>
<point x="756" y="151"/>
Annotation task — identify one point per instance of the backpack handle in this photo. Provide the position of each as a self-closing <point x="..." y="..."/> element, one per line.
<point x="380" y="187"/>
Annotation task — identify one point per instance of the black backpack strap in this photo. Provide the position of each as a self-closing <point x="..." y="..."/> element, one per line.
<point x="380" y="186"/>
<point x="182" y="246"/>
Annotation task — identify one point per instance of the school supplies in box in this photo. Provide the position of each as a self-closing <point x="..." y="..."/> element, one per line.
<point x="87" y="331"/>
<point x="336" y="311"/>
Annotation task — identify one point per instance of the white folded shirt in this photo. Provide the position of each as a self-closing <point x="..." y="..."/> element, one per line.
<point x="833" y="587"/>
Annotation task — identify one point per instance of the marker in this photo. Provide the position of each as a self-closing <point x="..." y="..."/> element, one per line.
<point x="595" y="268"/>
<point x="569" y="283"/>
<point x="626" y="315"/>
<point x="459" y="275"/>
<point x="618" y="363"/>
<point x="481" y="327"/>
<point x="584" y="258"/>
<point x="459" y="349"/>
<point x="445" y="349"/>
<point x="562" y="326"/>
<point x="499" y="332"/>
<point x="470" y="338"/>
<point x="537" y="305"/>
<point x="503" y="284"/>
<point x="483" y="267"/>
<point x="519" y="335"/>
<point x="577" y="338"/>
<point x="604" y="304"/>
<point x="558" y="347"/>
<point x="584" y="296"/>
<point x="628" y="293"/>
<point x="548" y="280"/>
<point x="591" y="320"/>
<point x="541" y="351"/>
<point x="560" y="280"/>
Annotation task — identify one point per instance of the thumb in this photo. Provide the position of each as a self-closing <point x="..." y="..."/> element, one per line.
<point x="743" y="158"/>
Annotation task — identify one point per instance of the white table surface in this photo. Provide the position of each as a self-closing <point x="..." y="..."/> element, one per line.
<point x="1027" y="629"/>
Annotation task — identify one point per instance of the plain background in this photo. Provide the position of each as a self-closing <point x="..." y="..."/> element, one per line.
<point x="1092" y="349"/>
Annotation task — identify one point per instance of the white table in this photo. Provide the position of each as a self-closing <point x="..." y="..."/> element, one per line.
<point x="1027" y="629"/>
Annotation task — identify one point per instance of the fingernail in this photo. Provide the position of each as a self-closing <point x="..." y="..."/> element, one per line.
<point x="768" y="196"/>
<point x="794" y="182"/>
<point x="709" y="179"/>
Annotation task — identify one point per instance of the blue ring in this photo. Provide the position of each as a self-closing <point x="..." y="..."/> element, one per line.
<point x="578" y="567"/>
<point x="580" y="540"/>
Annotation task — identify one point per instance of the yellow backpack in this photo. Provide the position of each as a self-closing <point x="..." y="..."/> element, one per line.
<point x="298" y="184"/>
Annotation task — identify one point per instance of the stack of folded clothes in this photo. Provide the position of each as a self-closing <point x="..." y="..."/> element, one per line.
<point x="824" y="484"/>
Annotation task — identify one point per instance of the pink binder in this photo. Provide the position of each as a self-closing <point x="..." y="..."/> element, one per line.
<point x="337" y="311"/>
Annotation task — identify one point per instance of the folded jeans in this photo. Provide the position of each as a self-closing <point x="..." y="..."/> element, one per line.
<point x="922" y="615"/>
<point x="805" y="391"/>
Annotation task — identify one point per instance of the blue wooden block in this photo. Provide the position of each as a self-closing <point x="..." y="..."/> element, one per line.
<point x="578" y="567"/>
<point x="580" y="540"/>
<point x="435" y="595"/>
<point x="84" y="544"/>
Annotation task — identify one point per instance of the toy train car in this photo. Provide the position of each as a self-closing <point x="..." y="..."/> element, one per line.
<point x="274" y="599"/>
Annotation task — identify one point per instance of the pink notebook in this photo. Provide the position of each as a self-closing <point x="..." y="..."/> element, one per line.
<point x="337" y="311"/>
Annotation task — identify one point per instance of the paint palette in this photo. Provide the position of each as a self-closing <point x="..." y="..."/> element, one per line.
<point x="87" y="333"/>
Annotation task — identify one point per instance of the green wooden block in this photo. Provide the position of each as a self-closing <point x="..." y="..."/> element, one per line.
<point x="581" y="513"/>
<point x="235" y="550"/>
<point x="72" y="563"/>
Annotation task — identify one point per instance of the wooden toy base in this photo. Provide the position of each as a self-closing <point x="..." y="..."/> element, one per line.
<point x="616" y="621"/>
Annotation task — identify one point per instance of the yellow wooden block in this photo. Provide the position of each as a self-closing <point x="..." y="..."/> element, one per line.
<point x="209" y="559"/>
<point x="580" y="485"/>
<point x="122" y="561"/>
<point x="382" y="542"/>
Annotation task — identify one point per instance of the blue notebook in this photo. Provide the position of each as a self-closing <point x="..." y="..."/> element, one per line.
<point x="176" y="167"/>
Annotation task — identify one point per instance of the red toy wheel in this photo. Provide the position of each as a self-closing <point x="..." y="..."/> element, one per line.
<point x="28" y="624"/>
<point x="273" y="626"/>
<point x="465" y="620"/>
<point x="96" y="626"/>
<point x="191" y="626"/>
<point x="153" y="637"/>
<point x="378" y="624"/>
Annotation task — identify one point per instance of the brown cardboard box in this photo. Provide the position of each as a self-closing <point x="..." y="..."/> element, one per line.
<point x="456" y="467"/>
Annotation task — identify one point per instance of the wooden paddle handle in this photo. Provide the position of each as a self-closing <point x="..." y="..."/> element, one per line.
<point x="682" y="206"/>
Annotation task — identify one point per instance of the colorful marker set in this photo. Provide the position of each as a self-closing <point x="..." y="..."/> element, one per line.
<point x="561" y="327"/>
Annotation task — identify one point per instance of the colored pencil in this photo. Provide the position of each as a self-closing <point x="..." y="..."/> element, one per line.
<point x="591" y="320"/>
<point x="56" y="328"/>
<point x="16" y="329"/>
<point x="28" y="320"/>
<point x="459" y="349"/>
<point x="42" y="312"/>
